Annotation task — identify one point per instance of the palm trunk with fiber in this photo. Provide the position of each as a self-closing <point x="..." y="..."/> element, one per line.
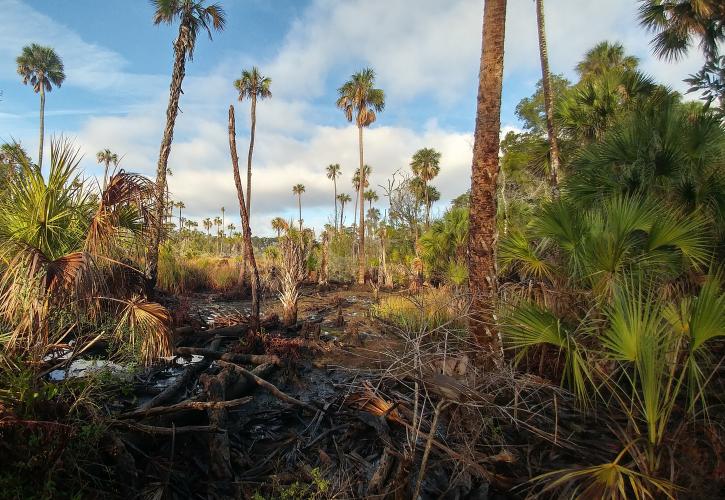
<point x="42" y="126"/>
<point x="427" y="205"/>
<point x="483" y="233"/>
<point x="171" y="112"/>
<point x="548" y="100"/>
<point x="247" y="233"/>
<point x="361" y="227"/>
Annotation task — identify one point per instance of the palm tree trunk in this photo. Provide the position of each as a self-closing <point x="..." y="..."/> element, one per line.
<point x="548" y="100"/>
<point x="334" y="183"/>
<point x="299" y="205"/>
<point x="172" y="111"/>
<point x="342" y="214"/>
<point x="42" y="125"/>
<point x="483" y="233"/>
<point x="361" y="227"/>
<point x="247" y="233"/>
<point x="427" y="205"/>
<point x="249" y="178"/>
<point x="105" y="174"/>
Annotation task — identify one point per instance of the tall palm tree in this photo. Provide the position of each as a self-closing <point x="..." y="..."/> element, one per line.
<point x="193" y="16"/>
<point x="106" y="157"/>
<point x="298" y="189"/>
<point x="426" y="166"/>
<point x="218" y="223"/>
<point x="548" y="100"/>
<point x="42" y="68"/>
<point x="343" y="198"/>
<point x="333" y="172"/>
<point x="482" y="214"/>
<point x="252" y="85"/>
<point x="279" y="225"/>
<point x="604" y="58"/>
<point x="246" y="230"/>
<point x="222" y="242"/>
<point x="360" y="100"/>
<point x="180" y="205"/>
<point x="356" y="186"/>
<point x="207" y="225"/>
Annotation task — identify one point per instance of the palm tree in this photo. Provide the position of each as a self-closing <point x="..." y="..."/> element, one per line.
<point x="207" y="225"/>
<point x="371" y="196"/>
<point x="42" y="68"/>
<point x="298" y="189"/>
<point x="218" y="224"/>
<point x="360" y="100"/>
<point x="180" y="205"/>
<point x="222" y="241"/>
<point x="279" y="225"/>
<point x="246" y="230"/>
<point x="333" y="172"/>
<point x="548" y="100"/>
<point x="483" y="234"/>
<point x="356" y="186"/>
<point x="343" y="198"/>
<point x="106" y="157"/>
<point x="604" y="58"/>
<point x="193" y="16"/>
<point x="252" y="85"/>
<point x="426" y="166"/>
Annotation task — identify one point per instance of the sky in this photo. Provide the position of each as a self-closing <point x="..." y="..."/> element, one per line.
<point x="425" y="53"/>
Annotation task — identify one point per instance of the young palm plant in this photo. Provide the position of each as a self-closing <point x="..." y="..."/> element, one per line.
<point x="61" y="254"/>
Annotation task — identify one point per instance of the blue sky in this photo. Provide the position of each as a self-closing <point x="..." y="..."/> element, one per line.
<point x="425" y="53"/>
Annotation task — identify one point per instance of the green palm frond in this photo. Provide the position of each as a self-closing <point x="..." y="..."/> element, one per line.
<point x="529" y="325"/>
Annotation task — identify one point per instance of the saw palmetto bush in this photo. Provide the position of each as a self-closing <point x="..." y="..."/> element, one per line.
<point x="67" y="256"/>
<point x="620" y="277"/>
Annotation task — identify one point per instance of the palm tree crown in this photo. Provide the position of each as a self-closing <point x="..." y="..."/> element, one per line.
<point x="426" y="163"/>
<point x="41" y="67"/>
<point x="676" y="23"/>
<point x="252" y="84"/>
<point x="333" y="171"/>
<point x="605" y="57"/>
<point x="193" y="15"/>
<point x="359" y="99"/>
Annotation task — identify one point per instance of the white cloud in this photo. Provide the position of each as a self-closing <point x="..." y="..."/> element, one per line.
<point x="426" y="50"/>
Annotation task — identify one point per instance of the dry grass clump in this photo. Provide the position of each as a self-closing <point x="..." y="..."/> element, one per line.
<point x="183" y="275"/>
<point x="428" y="310"/>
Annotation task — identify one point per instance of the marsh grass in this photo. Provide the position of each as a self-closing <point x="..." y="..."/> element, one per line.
<point x="180" y="275"/>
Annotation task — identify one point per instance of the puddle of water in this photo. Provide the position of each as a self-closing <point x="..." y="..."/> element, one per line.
<point x="84" y="367"/>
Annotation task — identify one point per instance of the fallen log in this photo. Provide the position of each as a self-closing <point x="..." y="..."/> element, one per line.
<point x="254" y="359"/>
<point x="168" y="431"/>
<point x="184" y="405"/>
<point x="268" y="386"/>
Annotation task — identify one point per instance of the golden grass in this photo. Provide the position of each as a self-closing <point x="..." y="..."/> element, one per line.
<point x="431" y="309"/>
<point x="195" y="274"/>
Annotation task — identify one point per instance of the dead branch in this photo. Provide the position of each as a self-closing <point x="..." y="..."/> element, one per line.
<point x="268" y="386"/>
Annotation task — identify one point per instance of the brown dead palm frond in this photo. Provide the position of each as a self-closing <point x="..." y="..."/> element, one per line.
<point x="122" y="214"/>
<point x="148" y="324"/>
